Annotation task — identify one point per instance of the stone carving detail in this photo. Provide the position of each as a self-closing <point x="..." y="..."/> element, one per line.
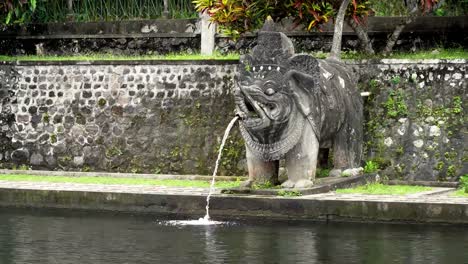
<point x="292" y="104"/>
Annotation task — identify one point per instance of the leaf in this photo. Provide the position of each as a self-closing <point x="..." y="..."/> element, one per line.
<point x="33" y="4"/>
<point x="8" y="17"/>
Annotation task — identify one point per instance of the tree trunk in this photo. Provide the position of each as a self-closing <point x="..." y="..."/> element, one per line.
<point x="337" y="35"/>
<point x="397" y="31"/>
<point x="364" y="40"/>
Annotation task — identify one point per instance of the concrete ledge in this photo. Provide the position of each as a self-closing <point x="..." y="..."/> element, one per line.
<point x="328" y="207"/>
<point x="322" y="186"/>
<point x="122" y="175"/>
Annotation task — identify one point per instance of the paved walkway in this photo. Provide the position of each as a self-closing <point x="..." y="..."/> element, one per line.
<point x="444" y="197"/>
<point x="115" y="188"/>
<point x="437" y="195"/>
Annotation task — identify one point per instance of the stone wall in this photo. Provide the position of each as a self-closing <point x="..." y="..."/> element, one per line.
<point x="154" y="118"/>
<point x="169" y="117"/>
<point x="416" y="119"/>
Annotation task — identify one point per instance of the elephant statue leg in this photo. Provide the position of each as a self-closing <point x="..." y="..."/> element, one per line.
<point x="261" y="171"/>
<point x="347" y="149"/>
<point x="301" y="161"/>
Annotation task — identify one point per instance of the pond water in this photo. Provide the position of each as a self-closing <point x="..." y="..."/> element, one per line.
<point x="81" y="237"/>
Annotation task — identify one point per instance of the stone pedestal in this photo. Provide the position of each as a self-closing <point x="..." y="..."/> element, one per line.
<point x="208" y="31"/>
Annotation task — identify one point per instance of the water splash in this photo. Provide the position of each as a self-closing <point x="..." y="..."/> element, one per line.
<point x="205" y="221"/>
<point x="200" y="222"/>
<point x="226" y="134"/>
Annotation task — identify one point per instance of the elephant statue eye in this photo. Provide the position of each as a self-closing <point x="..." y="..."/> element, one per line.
<point x="270" y="91"/>
<point x="269" y="87"/>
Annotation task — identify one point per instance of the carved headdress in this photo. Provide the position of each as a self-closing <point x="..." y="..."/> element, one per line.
<point x="274" y="55"/>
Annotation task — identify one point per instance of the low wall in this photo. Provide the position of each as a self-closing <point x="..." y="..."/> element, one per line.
<point x="416" y="120"/>
<point x="168" y="117"/>
<point x="154" y="118"/>
<point x="183" y="35"/>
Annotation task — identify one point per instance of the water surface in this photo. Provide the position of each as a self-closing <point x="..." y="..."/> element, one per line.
<point x="81" y="237"/>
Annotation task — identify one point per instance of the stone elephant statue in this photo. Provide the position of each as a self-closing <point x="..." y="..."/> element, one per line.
<point x="290" y="105"/>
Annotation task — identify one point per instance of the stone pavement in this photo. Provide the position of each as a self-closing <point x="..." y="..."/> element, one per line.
<point x="435" y="206"/>
<point x="113" y="188"/>
<point x="438" y="195"/>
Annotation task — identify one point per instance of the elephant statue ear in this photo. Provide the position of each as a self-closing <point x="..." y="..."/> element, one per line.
<point x="305" y="92"/>
<point x="303" y="78"/>
<point x="302" y="88"/>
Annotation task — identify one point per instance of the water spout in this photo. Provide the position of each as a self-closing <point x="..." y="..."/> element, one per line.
<point x="226" y="134"/>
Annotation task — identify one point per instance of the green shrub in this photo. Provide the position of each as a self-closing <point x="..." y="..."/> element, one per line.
<point x="464" y="182"/>
<point x="371" y="166"/>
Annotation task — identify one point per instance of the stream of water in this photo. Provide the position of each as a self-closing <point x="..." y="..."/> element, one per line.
<point x="206" y="219"/>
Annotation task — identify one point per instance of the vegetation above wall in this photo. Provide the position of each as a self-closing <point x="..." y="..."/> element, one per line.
<point x="44" y="11"/>
<point x="433" y="54"/>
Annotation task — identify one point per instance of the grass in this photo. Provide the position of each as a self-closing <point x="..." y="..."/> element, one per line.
<point x="461" y="193"/>
<point x="97" y="57"/>
<point x="419" y="55"/>
<point x="379" y="188"/>
<point x="440" y="54"/>
<point x="123" y="181"/>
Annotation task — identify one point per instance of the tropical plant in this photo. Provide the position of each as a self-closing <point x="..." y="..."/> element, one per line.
<point x="371" y="166"/>
<point x="239" y="16"/>
<point x="16" y="11"/>
<point x="464" y="182"/>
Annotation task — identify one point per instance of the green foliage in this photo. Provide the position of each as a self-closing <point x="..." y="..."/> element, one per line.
<point x="371" y="166"/>
<point x="53" y="138"/>
<point x="401" y="8"/>
<point x="452" y="8"/>
<point x="113" y="152"/>
<point x="440" y="165"/>
<point x="457" y="105"/>
<point x="21" y="167"/>
<point x="16" y="11"/>
<point x="265" y="185"/>
<point x="45" y="118"/>
<point x="238" y="16"/>
<point x="395" y="104"/>
<point x="451" y="170"/>
<point x="464" y="183"/>
<point x="111" y="10"/>
<point x="285" y="193"/>
<point x="102" y="102"/>
<point x="424" y="54"/>
<point x="322" y="173"/>
<point x="382" y="189"/>
<point x="461" y="193"/>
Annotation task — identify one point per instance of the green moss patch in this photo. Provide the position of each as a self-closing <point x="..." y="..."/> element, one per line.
<point x="122" y="181"/>
<point x="379" y="188"/>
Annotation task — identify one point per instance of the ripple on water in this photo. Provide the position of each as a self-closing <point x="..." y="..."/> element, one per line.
<point x="200" y="222"/>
